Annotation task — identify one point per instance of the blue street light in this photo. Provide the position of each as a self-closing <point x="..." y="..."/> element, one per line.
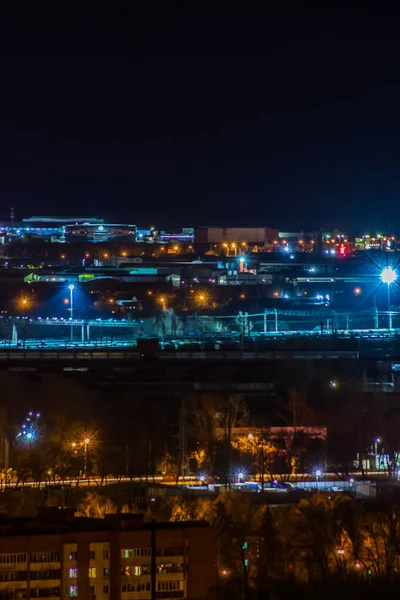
<point x="240" y="476"/>
<point x="29" y="432"/>
<point x="389" y="276"/>
<point x="318" y="475"/>
<point x="71" y="288"/>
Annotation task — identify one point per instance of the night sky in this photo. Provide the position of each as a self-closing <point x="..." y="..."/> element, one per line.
<point x="172" y="117"/>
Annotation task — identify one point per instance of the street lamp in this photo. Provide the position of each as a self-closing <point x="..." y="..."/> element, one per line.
<point x="202" y="298"/>
<point x="71" y="288"/>
<point x="389" y="276"/>
<point x="376" y="442"/>
<point x="318" y="474"/>
<point x="86" y="442"/>
<point x="240" y="476"/>
<point x="83" y="444"/>
<point x="23" y="303"/>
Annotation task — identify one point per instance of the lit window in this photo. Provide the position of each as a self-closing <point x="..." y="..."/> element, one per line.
<point x="73" y="555"/>
<point x="73" y="573"/>
<point x="92" y="572"/>
<point x="73" y="591"/>
<point x="137" y="570"/>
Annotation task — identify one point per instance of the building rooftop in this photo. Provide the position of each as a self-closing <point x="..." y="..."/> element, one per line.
<point x="52" y="520"/>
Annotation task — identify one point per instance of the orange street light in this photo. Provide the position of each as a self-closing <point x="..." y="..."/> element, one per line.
<point x="163" y="301"/>
<point x="23" y="303"/>
<point x="202" y="298"/>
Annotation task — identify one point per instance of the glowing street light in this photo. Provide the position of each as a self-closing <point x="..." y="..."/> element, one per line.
<point x="318" y="475"/>
<point x="389" y="276"/>
<point x="240" y="476"/>
<point x="29" y="431"/>
<point x="71" y="288"/>
<point x="377" y="441"/>
<point x="23" y="303"/>
<point x="163" y="301"/>
<point x="83" y="444"/>
<point x="202" y="298"/>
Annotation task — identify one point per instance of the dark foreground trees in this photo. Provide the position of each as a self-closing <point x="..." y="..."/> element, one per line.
<point x="323" y="547"/>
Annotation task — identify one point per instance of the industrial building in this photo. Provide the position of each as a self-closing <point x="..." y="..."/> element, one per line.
<point x="246" y="236"/>
<point x="47" y="228"/>
<point x="105" y="232"/>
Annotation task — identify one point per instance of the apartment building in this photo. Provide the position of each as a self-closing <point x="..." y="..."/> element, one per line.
<point x="105" y="559"/>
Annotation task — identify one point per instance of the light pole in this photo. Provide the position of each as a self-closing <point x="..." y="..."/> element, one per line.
<point x="318" y="474"/>
<point x="388" y="276"/>
<point x="71" y="302"/>
<point x="86" y="442"/>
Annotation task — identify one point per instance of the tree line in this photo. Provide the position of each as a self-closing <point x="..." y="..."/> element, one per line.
<point x="321" y="547"/>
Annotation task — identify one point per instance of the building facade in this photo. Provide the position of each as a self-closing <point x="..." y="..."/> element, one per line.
<point x="246" y="236"/>
<point x="106" y="559"/>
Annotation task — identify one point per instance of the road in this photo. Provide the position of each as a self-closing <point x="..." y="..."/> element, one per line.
<point x="188" y="480"/>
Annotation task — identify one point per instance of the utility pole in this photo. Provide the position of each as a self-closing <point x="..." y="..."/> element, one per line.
<point x="376" y="317"/>
<point x="276" y="321"/>
<point x="229" y="440"/>
<point x="183" y="441"/>
<point x="265" y="321"/>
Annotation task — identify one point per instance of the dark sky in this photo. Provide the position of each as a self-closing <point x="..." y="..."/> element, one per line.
<point x="198" y="117"/>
